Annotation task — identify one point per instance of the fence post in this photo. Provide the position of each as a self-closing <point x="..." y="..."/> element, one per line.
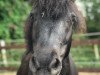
<point x="3" y="51"/>
<point x="96" y="50"/>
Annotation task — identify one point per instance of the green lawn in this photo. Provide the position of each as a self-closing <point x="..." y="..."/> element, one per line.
<point x="85" y="57"/>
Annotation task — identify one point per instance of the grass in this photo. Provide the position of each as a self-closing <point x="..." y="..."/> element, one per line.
<point x="13" y="57"/>
<point x="84" y="56"/>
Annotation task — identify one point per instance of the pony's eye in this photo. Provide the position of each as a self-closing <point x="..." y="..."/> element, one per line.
<point x="64" y="43"/>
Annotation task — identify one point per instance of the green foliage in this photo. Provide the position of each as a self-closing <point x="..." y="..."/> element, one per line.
<point x="13" y="12"/>
<point x="93" y="14"/>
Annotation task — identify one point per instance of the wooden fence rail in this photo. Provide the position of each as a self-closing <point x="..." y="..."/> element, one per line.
<point x="8" y="46"/>
<point x="75" y="43"/>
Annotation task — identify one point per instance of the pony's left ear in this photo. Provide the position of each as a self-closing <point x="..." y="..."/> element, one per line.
<point x="81" y="27"/>
<point x="78" y="19"/>
<point x="74" y="20"/>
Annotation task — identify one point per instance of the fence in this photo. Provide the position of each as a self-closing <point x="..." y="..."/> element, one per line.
<point x="92" y="42"/>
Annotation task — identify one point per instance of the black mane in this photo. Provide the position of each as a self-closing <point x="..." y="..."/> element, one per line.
<point x="51" y="8"/>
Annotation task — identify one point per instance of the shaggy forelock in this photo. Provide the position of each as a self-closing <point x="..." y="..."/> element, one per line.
<point x="51" y="8"/>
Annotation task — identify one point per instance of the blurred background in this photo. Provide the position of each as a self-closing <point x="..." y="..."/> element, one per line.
<point x="85" y="48"/>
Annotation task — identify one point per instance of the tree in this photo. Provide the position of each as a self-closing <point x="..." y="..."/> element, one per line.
<point x="93" y="15"/>
<point x="12" y="12"/>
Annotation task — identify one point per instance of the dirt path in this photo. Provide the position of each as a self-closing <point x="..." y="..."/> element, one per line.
<point x="86" y="73"/>
<point x="81" y="73"/>
<point x="8" y="73"/>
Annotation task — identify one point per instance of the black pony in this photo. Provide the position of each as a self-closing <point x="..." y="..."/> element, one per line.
<point x="48" y="36"/>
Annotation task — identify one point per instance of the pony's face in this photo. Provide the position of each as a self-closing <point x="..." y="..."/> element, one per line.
<point x="50" y="47"/>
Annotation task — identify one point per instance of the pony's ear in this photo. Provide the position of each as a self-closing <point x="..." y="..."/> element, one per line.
<point x="81" y="24"/>
<point x="81" y="28"/>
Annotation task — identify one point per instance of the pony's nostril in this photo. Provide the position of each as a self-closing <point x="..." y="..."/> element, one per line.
<point x="35" y="63"/>
<point x="33" y="60"/>
<point x="55" y="63"/>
